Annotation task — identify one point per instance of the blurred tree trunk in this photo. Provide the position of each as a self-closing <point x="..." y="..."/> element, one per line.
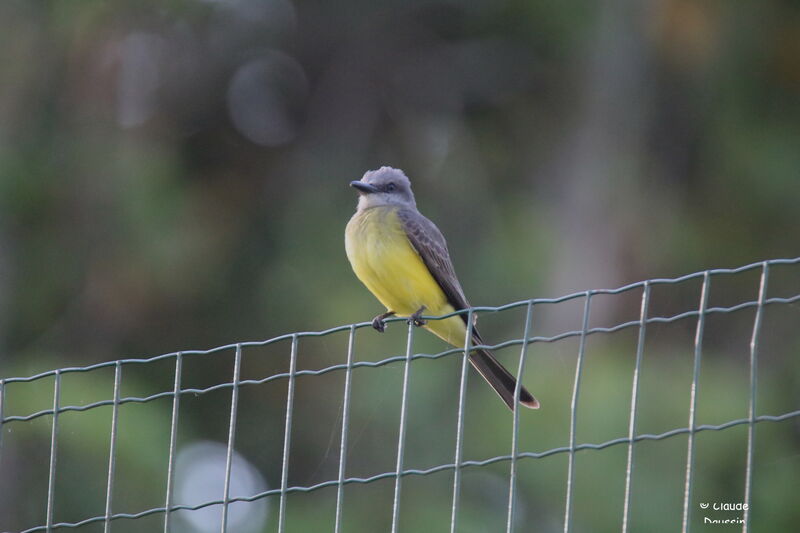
<point x="600" y="157"/>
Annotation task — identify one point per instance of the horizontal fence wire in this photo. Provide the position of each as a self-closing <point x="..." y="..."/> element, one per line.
<point x="425" y="472"/>
<point x="236" y="384"/>
<point x="332" y="368"/>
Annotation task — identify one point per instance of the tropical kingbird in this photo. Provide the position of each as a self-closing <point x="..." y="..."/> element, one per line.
<point x="402" y="258"/>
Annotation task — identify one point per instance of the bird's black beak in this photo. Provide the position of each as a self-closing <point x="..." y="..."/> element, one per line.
<point x="363" y="188"/>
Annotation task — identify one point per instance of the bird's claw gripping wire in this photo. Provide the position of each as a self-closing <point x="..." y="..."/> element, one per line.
<point x="379" y="322"/>
<point x="415" y="318"/>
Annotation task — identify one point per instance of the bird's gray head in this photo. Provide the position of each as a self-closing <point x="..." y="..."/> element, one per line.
<point x="385" y="186"/>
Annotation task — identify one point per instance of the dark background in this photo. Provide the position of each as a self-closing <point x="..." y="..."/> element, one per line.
<point x="173" y="175"/>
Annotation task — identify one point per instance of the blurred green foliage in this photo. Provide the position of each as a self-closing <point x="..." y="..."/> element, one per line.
<point x="173" y="175"/>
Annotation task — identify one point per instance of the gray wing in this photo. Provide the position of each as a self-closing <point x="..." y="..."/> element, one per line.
<point x="429" y="243"/>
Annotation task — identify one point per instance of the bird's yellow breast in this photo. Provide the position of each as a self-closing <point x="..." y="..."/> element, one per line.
<point x="384" y="260"/>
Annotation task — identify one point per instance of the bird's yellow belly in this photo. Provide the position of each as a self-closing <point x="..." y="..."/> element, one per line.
<point x="384" y="260"/>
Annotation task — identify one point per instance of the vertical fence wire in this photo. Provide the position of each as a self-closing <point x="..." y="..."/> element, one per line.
<point x="698" y="351"/>
<point x="573" y="412"/>
<point x="751" y="428"/>
<point x="287" y="435"/>
<point x="112" y="451"/>
<point x="462" y="394"/>
<point x="401" y="437"/>
<point x="626" y="506"/>
<point x="2" y="414"/>
<point x="51" y="478"/>
<point x="237" y="370"/>
<point x="512" y="477"/>
<point x="345" y="428"/>
<point x="173" y="436"/>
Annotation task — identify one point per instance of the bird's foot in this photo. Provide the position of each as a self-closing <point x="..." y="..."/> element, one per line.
<point x="415" y="318"/>
<point x="379" y="322"/>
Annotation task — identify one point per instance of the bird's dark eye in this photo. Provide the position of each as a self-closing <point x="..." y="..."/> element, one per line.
<point x="390" y="187"/>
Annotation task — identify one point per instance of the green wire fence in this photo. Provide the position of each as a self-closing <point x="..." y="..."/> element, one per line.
<point x="518" y="453"/>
